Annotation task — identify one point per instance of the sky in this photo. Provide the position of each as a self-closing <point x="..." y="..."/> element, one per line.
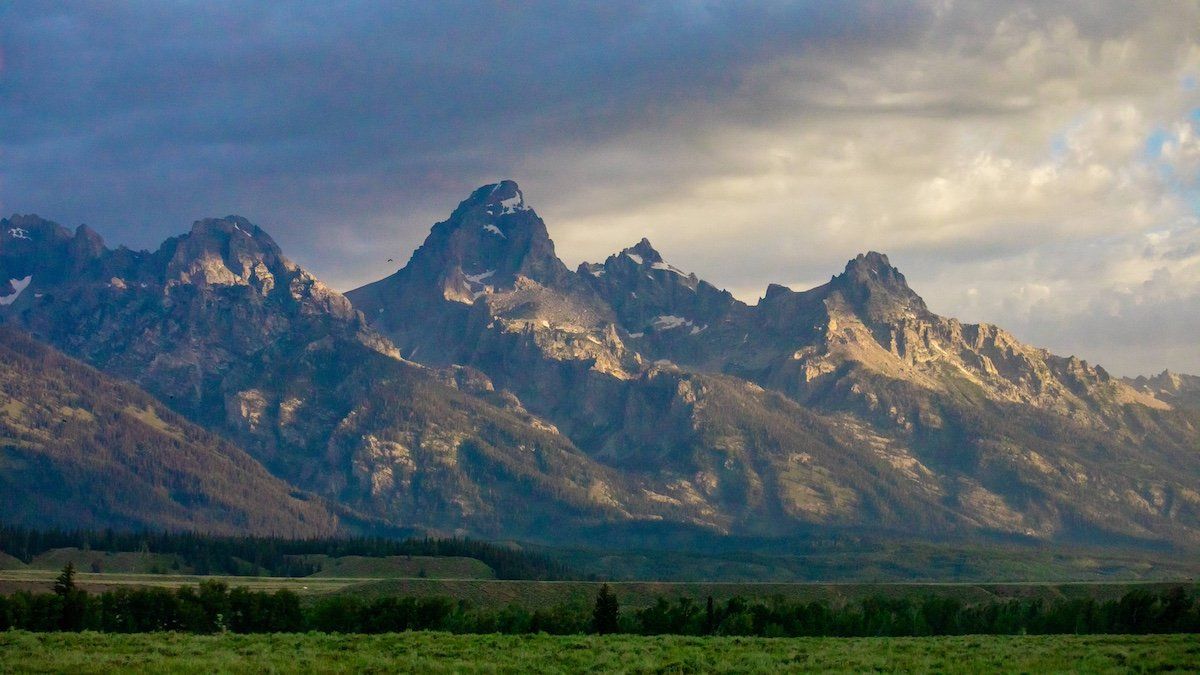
<point x="1035" y="166"/>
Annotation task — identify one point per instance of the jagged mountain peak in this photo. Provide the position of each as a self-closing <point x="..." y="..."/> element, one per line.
<point x="870" y="260"/>
<point x="225" y="251"/>
<point x="34" y="231"/>
<point x="233" y="231"/>
<point x="493" y="242"/>
<point x="645" y="291"/>
<point x="227" y="225"/>
<point x="494" y="199"/>
<point x="1176" y="387"/>
<point x="775" y="291"/>
<point x="33" y="235"/>
<point x="504" y="198"/>
<point x="39" y="251"/>
<point x="642" y="257"/>
<point x="873" y="268"/>
<point x="875" y="286"/>
<point x="643" y="253"/>
<point x="26" y="230"/>
<point x="634" y="264"/>
<point x="870" y="287"/>
<point x="488" y="242"/>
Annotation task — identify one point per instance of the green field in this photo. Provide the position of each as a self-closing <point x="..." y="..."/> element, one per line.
<point x="443" y="653"/>
<point x="99" y="571"/>
<point x="375" y="578"/>
<point x="399" y="566"/>
<point x="43" y="580"/>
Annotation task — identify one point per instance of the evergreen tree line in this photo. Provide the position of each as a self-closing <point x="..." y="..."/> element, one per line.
<point x="274" y="556"/>
<point x="214" y="607"/>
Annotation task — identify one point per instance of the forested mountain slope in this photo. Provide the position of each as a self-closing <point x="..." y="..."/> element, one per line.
<point x="80" y="449"/>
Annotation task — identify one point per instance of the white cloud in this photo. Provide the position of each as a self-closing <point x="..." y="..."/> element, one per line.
<point x="1181" y="151"/>
<point x="1006" y="169"/>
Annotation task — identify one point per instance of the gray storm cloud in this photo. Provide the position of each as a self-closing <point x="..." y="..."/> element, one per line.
<point x="1030" y="165"/>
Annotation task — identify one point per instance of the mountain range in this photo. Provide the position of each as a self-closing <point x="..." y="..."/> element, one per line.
<point x="486" y="388"/>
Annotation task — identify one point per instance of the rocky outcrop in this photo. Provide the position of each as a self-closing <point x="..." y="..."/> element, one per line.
<point x="1177" y="389"/>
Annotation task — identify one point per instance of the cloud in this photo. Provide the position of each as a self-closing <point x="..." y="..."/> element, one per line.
<point x="1180" y="151"/>
<point x="1032" y="165"/>
<point x="1003" y="166"/>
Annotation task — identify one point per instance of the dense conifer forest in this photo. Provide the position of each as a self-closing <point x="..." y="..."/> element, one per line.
<point x="214" y="607"/>
<point x="275" y="556"/>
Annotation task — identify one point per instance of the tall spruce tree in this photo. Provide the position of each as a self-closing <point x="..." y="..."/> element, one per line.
<point x="64" y="584"/>
<point x="606" y="613"/>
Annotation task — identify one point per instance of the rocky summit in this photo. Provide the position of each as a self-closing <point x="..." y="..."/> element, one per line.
<point x="487" y="389"/>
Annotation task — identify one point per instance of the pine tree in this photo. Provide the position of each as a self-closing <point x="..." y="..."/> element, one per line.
<point x="604" y="617"/>
<point x="74" y="601"/>
<point x="64" y="584"/>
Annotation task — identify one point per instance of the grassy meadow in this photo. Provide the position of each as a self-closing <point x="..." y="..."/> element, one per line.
<point x="380" y="580"/>
<point x="368" y="579"/>
<point x="22" y="652"/>
<point x="100" y="571"/>
<point x="470" y="580"/>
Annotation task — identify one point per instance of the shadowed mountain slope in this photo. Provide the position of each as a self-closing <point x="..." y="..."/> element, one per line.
<point x="80" y="449"/>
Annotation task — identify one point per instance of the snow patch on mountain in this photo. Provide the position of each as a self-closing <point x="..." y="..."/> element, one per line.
<point x="512" y="204"/>
<point x="19" y="285"/>
<point x="494" y="230"/>
<point x="670" y="321"/>
<point x="19" y="233"/>
<point x="635" y="257"/>
<point x="478" y="288"/>
<point x="669" y="268"/>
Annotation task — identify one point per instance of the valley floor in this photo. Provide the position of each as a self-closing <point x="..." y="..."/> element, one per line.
<point x="631" y="594"/>
<point x="22" y="652"/>
<point x="41" y="581"/>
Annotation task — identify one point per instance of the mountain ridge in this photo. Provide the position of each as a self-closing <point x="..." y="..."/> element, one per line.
<point x="486" y="388"/>
<point x="825" y="347"/>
